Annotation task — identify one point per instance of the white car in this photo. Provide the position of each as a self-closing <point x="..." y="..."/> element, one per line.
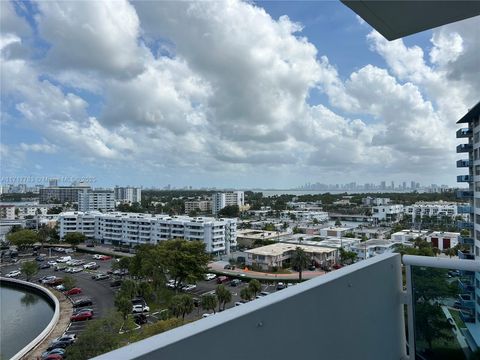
<point x="210" y="276"/>
<point x="52" y="263"/>
<point x="13" y="273"/>
<point x="139" y="308"/>
<point x="48" y="278"/>
<point x="189" y="287"/>
<point x="97" y="257"/>
<point x="60" y="287"/>
<point x="64" y="259"/>
<point x="90" y="265"/>
<point x="206" y="315"/>
<point x="76" y="269"/>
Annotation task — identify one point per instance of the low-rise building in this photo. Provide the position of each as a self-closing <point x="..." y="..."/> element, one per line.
<point x="443" y="240"/>
<point x="248" y="237"/>
<point x="278" y="255"/>
<point x="370" y="248"/>
<point x="432" y="208"/>
<point x="371" y="201"/>
<point x="198" y="205"/>
<point x="387" y="213"/>
<point x="371" y="233"/>
<point x="304" y="215"/>
<point x="409" y="235"/>
<point x="334" y="231"/>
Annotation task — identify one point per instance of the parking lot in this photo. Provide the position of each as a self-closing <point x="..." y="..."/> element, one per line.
<point x="102" y="294"/>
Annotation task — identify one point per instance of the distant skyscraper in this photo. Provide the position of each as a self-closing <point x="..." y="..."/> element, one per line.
<point x="393" y="185"/>
<point x="383" y="185"/>
<point x="52" y="182"/>
<point x="412" y="185"/>
<point x="404" y="186"/>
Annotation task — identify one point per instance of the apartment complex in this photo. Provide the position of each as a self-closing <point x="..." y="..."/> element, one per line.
<point x="370" y="201"/>
<point x="198" y="205"/>
<point x="304" y="215"/>
<point x="7" y="212"/>
<point x="431" y="208"/>
<point x="220" y="200"/>
<point x="60" y="194"/>
<point x="443" y="240"/>
<point x="98" y="199"/>
<point x="471" y="163"/>
<point x="374" y="247"/>
<point x="131" y="229"/>
<point x="128" y="194"/>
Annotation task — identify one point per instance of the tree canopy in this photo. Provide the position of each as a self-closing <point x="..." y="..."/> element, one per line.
<point x="299" y="261"/>
<point x="74" y="238"/>
<point x="230" y="211"/>
<point x="22" y="238"/>
<point x="29" y="268"/>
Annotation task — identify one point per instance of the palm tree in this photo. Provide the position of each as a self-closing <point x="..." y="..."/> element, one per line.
<point x="209" y="302"/>
<point x="246" y="294"/>
<point x="224" y="296"/>
<point x="254" y="287"/>
<point x="299" y="261"/>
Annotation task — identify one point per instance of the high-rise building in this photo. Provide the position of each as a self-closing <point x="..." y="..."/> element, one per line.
<point x="52" y="182"/>
<point x="471" y="149"/>
<point x="128" y="194"/>
<point x="98" y="199"/>
<point x="221" y="200"/>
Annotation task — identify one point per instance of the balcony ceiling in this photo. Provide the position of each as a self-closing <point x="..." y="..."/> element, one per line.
<point x="395" y="19"/>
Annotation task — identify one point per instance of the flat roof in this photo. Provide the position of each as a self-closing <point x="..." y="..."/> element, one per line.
<point x="281" y="248"/>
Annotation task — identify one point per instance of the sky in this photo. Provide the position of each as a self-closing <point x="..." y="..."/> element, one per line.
<point x="229" y="94"/>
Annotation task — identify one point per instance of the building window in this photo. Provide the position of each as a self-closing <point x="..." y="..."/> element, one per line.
<point x="475" y="154"/>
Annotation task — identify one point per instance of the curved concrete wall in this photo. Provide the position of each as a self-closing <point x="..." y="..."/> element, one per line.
<point x="47" y="295"/>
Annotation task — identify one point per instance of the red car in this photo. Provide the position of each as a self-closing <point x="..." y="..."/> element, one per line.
<point x="105" y="257"/>
<point x="53" y="357"/>
<point x="83" y="315"/>
<point x="73" y="291"/>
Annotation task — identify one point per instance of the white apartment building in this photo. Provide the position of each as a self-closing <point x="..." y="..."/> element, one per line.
<point x="131" y="229"/>
<point x="431" y="208"/>
<point x="304" y="215"/>
<point x="27" y="210"/>
<point x="98" y="199"/>
<point x="388" y="213"/>
<point x="7" y="212"/>
<point x="333" y="231"/>
<point x="128" y="194"/>
<point x="409" y="235"/>
<point x="443" y="240"/>
<point x="370" y="248"/>
<point x="370" y="201"/>
<point x="220" y="200"/>
<point x="198" y="205"/>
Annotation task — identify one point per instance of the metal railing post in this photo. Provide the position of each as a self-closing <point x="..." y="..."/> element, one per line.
<point x="410" y="313"/>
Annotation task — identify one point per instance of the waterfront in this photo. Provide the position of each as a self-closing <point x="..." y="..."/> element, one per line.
<point x="23" y="316"/>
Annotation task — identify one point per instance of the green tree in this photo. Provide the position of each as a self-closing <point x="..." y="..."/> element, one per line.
<point x="123" y="304"/>
<point x="229" y="211"/>
<point x="338" y="223"/>
<point x="224" y="296"/>
<point x="69" y="282"/>
<point x="128" y="289"/>
<point x="450" y="252"/>
<point x="22" y="238"/>
<point x="183" y="260"/>
<point x="100" y="336"/>
<point x="43" y="235"/>
<point x="144" y="289"/>
<point x="299" y="261"/>
<point x="209" y="302"/>
<point x="74" y="238"/>
<point x="347" y="257"/>
<point x="254" y="287"/>
<point x="246" y="294"/>
<point x="29" y="269"/>
<point x="182" y="305"/>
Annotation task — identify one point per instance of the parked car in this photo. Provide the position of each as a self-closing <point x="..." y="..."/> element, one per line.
<point x="116" y="283"/>
<point x="44" y="266"/>
<point x="53" y="357"/>
<point x="52" y="263"/>
<point x="97" y="256"/>
<point x="235" y="282"/>
<point x="55" y="282"/>
<point x="281" y="286"/>
<point x="210" y="276"/>
<point x="79" y="310"/>
<point x="45" y="279"/>
<point x="98" y="277"/>
<point x="222" y="279"/>
<point x="105" y="257"/>
<point x="82" y="302"/>
<point x="13" y="273"/>
<point x="81" y="316"/>
<point x="76" y="269"/>
<point x="61" y="342"/>
<point x="91" y="265"/>
<point x="207" y="315"/>
<point x="40" y="258"/>
<point x="229" y="267"/>
<point x="189" y="287"/>
<point x="139" y="308"/>
<point x="60" y="287"/>
<point x="73" y="291"/>
<point x="64" y="259"/>
<point x="140" y="319"/>
<point x="58" y="351"/>
<point x="337" y="266"/>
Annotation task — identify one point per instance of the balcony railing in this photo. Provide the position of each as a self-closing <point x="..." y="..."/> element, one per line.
<point x="464" y="163"/>
<point x="465" y="194"/>
<point x="464" y="148"/>
<point x="464" y="209"/>
<point x="465" y="255"/>
<point x="466" y="286"/>
<point x="464" y="133"/>
<point x="464" y="178"/>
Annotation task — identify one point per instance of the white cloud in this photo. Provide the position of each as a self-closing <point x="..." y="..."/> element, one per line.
<point x="39" y="148"/>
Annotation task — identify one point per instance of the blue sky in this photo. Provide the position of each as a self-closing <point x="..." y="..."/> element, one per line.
<point x="228" y="94"/>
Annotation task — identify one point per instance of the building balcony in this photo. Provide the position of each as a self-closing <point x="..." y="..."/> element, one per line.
<point x="464" y="133"/>
<point x="464" y="225"/>
<point x="464" y="163"/>
<point x="464" y="209"/>
<point x="464" y="178"/>
<point x="465" y="255"/>
<point x="466" y="240"/>
<point x="464" y="148"/>
<point x="465" y="194"/>
<point x="466" y="286"/>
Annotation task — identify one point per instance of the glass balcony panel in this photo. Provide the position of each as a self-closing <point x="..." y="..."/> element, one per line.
<point x="464" y="133"/>
<point x="464" y="163"/>
<point x="463" y="148"/>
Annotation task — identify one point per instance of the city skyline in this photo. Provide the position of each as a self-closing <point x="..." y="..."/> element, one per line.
<point x="143" y="99"/>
